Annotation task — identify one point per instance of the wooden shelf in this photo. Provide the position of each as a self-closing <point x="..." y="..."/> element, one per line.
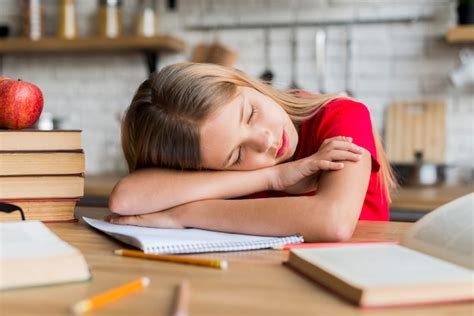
<point x="461" y="34"/>
<point x="164" y="43"/>
<point x="150" y="46"/>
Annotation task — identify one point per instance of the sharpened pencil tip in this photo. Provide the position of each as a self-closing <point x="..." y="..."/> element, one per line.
<point x="118" y="251"/>
<point x="224" y="265"/>
<point x="146" y="281"/>
<point x="80" y="307"/>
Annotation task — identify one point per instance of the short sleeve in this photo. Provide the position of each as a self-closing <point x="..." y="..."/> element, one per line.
<point x="345" y="117"/>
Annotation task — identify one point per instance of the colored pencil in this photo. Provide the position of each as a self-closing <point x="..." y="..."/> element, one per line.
<point x="333" y="244"/>
<point x="212" y="263"/>
<point x="182" y="299"/>
<point x="109" y="296"/>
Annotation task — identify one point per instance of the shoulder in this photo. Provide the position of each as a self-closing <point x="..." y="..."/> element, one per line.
<point x="345" y="112"/>
<point x="342" y="105"/>
<point x="341" y="111"/>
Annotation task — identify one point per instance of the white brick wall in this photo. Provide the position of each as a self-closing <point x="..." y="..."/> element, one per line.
<point x="389" y="61"/>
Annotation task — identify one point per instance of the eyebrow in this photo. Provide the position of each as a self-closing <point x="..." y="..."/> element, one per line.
<point x="226" y="161"/>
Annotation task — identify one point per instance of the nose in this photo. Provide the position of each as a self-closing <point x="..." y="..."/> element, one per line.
<point x="261" y="140"/>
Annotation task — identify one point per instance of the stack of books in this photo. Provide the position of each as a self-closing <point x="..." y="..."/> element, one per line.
<point x="42" y="172"/>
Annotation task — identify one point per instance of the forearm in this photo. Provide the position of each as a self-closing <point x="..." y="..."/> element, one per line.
<point x="151" y="190"/>
<point x="330" y="215"/>
<point x="311" y="216"/>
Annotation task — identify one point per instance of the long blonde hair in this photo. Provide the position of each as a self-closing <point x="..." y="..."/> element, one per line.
<point x="161" y="126"/>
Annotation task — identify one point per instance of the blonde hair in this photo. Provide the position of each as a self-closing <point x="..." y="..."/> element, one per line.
<point x="161" y="126"/>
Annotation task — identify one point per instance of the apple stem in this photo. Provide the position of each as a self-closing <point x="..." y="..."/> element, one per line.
<point x="19" y="80"/>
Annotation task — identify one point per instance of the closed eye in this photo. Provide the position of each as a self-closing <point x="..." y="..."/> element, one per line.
<point x="251" y="114"/>
<point x="239" y="160"/>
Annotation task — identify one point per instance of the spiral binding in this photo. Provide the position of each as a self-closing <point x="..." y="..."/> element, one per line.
<point x="223" y="246"/>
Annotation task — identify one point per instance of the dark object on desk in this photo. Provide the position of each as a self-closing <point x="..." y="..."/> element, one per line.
<point x="8" y="208"/>
<point x="420" y="173"/>
<point x="4" y="31"/>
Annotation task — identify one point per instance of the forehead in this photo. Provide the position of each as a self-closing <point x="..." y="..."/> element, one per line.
<point x="219" y="132"/>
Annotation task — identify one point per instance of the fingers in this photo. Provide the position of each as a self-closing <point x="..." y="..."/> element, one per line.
<point x="327" y="165"/>
<point x="123" y="220"/>
<point x="162" y="219"/>
<point x="311" y="167"/>
<point x="343" y="138"/>
<point x="341" y="155"/>
<point x="341" y="143"/>
<point x="338" y="138"/>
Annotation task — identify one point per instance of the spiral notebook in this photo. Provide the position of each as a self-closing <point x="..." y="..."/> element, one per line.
<point x="157" y="240"/>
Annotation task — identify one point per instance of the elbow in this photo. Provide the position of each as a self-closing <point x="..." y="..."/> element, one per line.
<point x="118" y="200"/>
<point x="338" y="227"/>
<point x="341" y="224"/>
<point x="340" y="233"/>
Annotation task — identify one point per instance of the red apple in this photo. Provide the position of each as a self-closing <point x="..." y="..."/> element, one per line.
<point x="21" y="103"/>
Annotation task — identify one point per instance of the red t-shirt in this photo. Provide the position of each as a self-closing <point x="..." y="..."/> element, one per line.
<point x="343" y="117"/>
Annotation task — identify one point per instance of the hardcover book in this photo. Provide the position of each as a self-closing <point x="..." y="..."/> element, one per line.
<point x="41" y="163"/>
<point x="434" y="262"/>
<point x="32" y="255"/>
<point x="36" y="187"/>
<point x="30" y="139"/>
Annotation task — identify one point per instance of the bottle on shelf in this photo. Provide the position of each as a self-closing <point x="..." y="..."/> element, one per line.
<point x="67" y="23"/>
<point x="110" y="18"/>
<point x="32" y="14"/>
<point x="146" y="19"/>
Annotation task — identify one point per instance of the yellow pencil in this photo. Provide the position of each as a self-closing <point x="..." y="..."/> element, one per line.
<point x="213" y="263"/>
<point x="182" y="299"/>
<point x="109" y="296"/>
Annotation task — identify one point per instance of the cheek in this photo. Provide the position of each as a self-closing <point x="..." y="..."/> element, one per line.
<point x="258" y="161"/>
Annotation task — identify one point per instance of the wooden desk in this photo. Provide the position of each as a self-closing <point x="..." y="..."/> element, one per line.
<point x="256" y="283"/>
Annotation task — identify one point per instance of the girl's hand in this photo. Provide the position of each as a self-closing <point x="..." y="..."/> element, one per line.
<point x="162" y="219"/>
<point x="301" y="176"/>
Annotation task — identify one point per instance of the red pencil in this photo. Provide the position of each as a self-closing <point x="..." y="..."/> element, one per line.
<point x="333" y="244"/>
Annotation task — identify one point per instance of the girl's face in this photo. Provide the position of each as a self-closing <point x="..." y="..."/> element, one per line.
<point x="250" y="132"/>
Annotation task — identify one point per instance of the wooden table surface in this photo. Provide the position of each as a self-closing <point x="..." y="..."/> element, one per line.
<point x="256" y="282"/>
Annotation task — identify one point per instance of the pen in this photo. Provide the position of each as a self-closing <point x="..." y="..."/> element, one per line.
<point x="182" y="299"/>
<point x="109" y="296"/>
<point x="333" y="244"/>
<point x="213" y="263"/>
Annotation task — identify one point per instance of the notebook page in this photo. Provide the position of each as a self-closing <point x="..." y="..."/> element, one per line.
<point x="368" y="266"/>
<point x="30" y="239"/>
<point x="156" y="240"/>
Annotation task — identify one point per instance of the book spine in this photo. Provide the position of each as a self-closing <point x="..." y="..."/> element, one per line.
<point x="41" y="187"/>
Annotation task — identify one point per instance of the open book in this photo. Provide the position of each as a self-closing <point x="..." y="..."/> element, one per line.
<point x="433" y="263"/>
<point x="156" y="240"/>
<point x="32" y="255"/>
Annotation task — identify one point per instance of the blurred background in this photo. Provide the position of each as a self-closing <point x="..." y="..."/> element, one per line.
<point x="410" y="62"/>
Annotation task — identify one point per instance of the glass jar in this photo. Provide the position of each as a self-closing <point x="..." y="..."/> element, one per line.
<point x="110" y="18"/>
<point x="146" y="19"/>
<point x="32" y="14"/>
<point x="67" y="26"/>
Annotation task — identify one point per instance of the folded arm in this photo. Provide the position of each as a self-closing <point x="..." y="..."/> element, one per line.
<point x="330" y="215"/>
<point x="153" y="189"/>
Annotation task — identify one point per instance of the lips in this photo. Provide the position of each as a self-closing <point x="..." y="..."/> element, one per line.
<point x="284" y="145"/>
